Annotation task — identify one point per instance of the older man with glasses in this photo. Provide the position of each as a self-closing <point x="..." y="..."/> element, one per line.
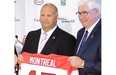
<point x="88" y="46"/>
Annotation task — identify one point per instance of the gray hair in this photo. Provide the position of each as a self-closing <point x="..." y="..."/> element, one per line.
<point x="92" y="4"/>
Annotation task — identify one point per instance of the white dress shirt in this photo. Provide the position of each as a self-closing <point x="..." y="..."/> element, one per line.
<point x="44" y="38"/>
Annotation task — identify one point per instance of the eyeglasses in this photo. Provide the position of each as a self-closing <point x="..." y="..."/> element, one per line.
<point x="84" y="13"/>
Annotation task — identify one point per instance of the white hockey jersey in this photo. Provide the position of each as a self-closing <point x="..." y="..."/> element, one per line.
<point x="39" y="64"/>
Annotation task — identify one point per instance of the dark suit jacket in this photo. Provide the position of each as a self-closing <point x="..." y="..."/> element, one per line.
<point x="60" y="42"/>
<point x="91" y="51"/>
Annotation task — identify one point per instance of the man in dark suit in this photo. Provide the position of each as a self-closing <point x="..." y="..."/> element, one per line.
<point x="55" y="40"/>
<point x="59" y="42"/>
<point x="88" y="53"/>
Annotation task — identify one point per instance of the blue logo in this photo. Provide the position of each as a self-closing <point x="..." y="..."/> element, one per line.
<point x="15" y="1"/>
<point x="38" y="2"/>
<point x="63" y="2"/>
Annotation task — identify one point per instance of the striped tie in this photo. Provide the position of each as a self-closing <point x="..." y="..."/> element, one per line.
<point x="83" y="40"/>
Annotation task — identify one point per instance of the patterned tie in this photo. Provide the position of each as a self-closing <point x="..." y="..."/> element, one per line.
<point x="42" y="42"/>
<point x="83" y="40"/>
<point x="44" y="35"/>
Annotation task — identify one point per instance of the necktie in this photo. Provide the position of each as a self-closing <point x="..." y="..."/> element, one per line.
<point x="43" y="35"/>
<point x="42" y="42"/>
<point x="83" y="40"/>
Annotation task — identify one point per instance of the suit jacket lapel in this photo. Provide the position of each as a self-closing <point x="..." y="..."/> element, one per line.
<point x="36" y="42"/>
<point x="86" y="44"/>
<point x="50" y="41"/>
<point x="79" y="36"/>
<point x="91" y="36"/>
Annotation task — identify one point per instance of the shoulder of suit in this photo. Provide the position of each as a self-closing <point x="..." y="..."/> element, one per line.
<point x="34" y="32"/>
<point x="65" y="34"/>
<point x="81" y="30"/>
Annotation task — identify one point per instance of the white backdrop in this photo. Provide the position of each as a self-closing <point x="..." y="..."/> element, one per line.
<point x="27" y="14"/>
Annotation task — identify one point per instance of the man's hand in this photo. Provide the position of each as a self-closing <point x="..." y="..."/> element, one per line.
<point x="76" y="62"/>
<point x="20" y="58"/>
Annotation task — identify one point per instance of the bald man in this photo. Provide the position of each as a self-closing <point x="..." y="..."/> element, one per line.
<point x="56" y="40"/>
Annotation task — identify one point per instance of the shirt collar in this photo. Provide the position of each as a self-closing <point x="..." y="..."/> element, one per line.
<point x="91" y="28"/>
<point x="50" y="31"/>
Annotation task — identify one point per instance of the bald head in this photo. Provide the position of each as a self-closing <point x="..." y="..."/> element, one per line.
<point x="48" y="16"/>
<point x="50" y="6"/>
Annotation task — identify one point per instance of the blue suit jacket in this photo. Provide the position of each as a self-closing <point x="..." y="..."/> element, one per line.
<point x="91" y="51"/>
<point x="60" y="42"/>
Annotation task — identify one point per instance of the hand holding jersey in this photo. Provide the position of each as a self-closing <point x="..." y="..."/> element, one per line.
<point x="51" y="64"/>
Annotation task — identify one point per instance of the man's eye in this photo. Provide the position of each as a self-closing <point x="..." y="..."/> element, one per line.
<point x="84" y="12"/>
<point x="42" y="15"/>
<point x="49" y="15"/>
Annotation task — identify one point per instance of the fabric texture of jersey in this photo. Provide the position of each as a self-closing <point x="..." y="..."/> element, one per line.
<point x="52" y="64"/>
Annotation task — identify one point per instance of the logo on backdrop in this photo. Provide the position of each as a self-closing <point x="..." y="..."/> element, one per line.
<point x="65" y="20"/>
<point x="38" y="2"/>
<point x="16" y="19"/>
<point x="36" y="19"/>
<point x="63" y="2"/>
<point x="15" y="1"/>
